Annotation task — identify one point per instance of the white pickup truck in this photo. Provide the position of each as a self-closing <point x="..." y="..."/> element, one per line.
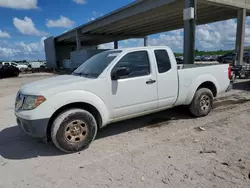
<point x="113" y="86"/>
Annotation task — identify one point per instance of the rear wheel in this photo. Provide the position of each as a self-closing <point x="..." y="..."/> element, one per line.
<point x="73" y="130"/>
<point x="202" y="103"/>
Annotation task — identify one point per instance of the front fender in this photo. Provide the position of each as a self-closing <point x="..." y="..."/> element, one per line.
<point x="198" y="81"/>
<point x="59" y="100"/>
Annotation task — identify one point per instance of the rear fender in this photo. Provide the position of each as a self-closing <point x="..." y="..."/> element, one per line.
<point x="197" y="83"/>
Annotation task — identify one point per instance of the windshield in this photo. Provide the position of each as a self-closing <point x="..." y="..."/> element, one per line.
<point x="93" y="67"/>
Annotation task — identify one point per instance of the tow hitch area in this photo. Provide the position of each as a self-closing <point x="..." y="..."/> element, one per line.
<point x="230" y="87"/>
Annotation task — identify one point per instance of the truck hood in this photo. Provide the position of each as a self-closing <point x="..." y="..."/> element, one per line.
<point x="53" y="85"/>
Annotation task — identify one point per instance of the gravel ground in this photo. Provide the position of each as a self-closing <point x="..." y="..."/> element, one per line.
<point x="166" y="149"/>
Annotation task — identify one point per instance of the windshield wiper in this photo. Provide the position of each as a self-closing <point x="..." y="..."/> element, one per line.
<point x="76" y="74"/>
<point x="86" y="75"/>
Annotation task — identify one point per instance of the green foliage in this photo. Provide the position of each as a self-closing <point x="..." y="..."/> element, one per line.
<point x="202" y="53"/>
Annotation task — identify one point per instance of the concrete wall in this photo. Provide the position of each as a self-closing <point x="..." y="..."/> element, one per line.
<point x="50" y="52"/>
<point x="79" y="57"/>
<point x="63" y="52"/>
<point x="56" y="53"/>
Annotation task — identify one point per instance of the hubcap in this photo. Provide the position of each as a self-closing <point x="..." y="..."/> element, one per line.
<point x="76" y="131"/>
<point x="205" y="103"/>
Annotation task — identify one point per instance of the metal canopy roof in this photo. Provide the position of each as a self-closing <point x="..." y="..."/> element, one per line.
<point x="146" y="17"/>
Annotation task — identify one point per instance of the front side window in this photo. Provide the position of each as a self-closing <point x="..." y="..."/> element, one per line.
<point x="163" y="61"/>
<point x="136" y="62"/>
<point x="94" y="66"/>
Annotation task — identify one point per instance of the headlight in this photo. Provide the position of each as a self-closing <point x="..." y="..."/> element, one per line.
<point x="31" y="102"/>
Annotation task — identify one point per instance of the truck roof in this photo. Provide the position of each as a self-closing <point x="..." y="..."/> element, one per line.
<point x="141" y="48"/>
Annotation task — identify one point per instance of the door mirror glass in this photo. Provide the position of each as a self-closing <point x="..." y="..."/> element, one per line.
<point x="120" y="73"/>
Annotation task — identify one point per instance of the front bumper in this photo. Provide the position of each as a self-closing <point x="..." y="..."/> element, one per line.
<point x="34" y="128"/>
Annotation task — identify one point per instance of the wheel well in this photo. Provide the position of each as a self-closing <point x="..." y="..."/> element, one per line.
<point x="85" y="106"/>
<point x="209" y="85"/>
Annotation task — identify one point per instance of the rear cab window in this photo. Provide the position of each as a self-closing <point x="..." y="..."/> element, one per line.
<point x="162" y="60"/>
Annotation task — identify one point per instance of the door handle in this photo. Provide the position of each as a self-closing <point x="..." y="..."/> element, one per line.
<point x="150" y="81"/>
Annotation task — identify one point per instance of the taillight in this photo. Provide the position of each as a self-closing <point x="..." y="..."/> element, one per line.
<point x="229" y="72"/>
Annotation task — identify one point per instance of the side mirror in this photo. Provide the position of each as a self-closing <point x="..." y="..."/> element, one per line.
<point x="119" y="73"/>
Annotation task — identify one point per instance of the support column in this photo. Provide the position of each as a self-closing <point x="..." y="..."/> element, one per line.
<point x="78" y="40"/>
<point x="189" y="31"/>
<point x="145" y="41"/>
<point x="116" y="44"/>
<point x="50" y="52"/>
<point x="240" y="36"/>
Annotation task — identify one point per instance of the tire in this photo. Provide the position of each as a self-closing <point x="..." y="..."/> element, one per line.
<point x="16" y="74"/>
<point x="73" y="130"/>
<point x="22" y="69"/>
<point x="202" y="103"/>
<point x="247" y="74"/>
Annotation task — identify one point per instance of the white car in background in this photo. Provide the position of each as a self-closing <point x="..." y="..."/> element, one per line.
<point x="21" y="67"/>
<point x="35" y="64"/>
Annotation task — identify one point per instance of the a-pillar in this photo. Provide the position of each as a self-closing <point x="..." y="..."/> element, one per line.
<point x="78" y="40"/>
<point x="189" y="31"/>
<point x="145" y="41"/>
<point x="116" y="44"/>
<point x="240" y="36"/>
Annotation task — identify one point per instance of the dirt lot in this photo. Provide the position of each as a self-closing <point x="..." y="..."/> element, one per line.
<point x="162" y="150"/>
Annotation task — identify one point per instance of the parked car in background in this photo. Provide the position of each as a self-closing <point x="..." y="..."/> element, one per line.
<point x="209" y="58"/>
<point x="21" y="67"/>
<point x="213" y="58"/>
<point x="8" y="71"/>
<point x="5" y="63"/>
<point x="179" y="60"/>
<point x="43" y="64"/>
<point x="25" y="63"/>
<point x="246" y="57"/>
<point x="113" y="86"/>
<point x="35" y="64"/>
<point x="205" y="58"/>
<point x="229" y="58"/>
<point x="198" y="58"/>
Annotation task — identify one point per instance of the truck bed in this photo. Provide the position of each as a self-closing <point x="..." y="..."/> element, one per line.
<point x="196" y="65"/>
<point x="191" y="75"/>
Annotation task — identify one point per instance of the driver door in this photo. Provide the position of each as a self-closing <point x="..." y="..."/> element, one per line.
<point x="136" y="92"/>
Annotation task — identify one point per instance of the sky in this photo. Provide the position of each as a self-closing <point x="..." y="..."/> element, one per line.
<point x="26" y="23"/>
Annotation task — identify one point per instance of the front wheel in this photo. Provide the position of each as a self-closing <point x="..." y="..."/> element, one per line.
<point x="202" y="103"/>
<point x="16" y="74"/>
<point x="22" y="69"/>
<point x="73" y="130"/>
